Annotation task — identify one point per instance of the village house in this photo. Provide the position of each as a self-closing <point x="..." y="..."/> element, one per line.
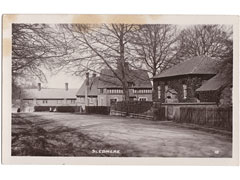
<point x="194" y="80"/>
<point x="106" y="89"/>
<point x="47" y="97"/>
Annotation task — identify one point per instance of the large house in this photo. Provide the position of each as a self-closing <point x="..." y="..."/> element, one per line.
<point x="105" y="89"/>
<point x="194" y="80"/>
<point x="47" y="97"/>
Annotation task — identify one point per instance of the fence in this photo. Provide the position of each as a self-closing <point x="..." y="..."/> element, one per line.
<point x="205" y="114"/>
<point x="211" y="117"/>
<point x="98" y="110"/>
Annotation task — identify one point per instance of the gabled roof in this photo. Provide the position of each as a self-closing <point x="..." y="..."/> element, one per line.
<point x="92" y="89"/>
<point x="220" y="80"/>
<point x="140" y="79"/>
<point x="50" y="93"/>
<point x="108" y="80"/>
<point x="195" y="65"/>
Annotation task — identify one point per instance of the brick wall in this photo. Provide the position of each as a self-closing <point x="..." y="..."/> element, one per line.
<point x="192" y="81"/>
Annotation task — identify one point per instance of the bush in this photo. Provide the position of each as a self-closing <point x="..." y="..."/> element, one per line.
<point x="98" y="110"/>
<point x="42" y="108"/>
<point x="66" y="109"/>
<point x="58" y="108"/>
<point x="137" y="107"/>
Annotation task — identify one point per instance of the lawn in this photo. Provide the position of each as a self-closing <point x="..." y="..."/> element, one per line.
<point x="65" y="134"/>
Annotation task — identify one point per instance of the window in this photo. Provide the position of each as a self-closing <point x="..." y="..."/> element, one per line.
<point x="166" y="89"/>
<point x="59" y="101"/>
<point x="45" y="101"/>
<point x="72" y="101"/>
<point x="130" y="84"/>
<point x="90" y="100"/>
<point x="114" y="100"/>
<point x="142" y="99"/>
<point x="115" y="91"/>
<point x="30" y="101"/>
<point x="184" y="91"/>
<point x="159" y="92"/>
<point x="82" y="99"/>
<point x="101" y="91"/>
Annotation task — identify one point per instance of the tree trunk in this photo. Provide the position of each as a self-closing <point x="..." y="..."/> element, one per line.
<point x="123" y="67"/>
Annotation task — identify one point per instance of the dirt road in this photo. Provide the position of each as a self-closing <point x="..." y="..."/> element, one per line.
<point x="63" y="134"/>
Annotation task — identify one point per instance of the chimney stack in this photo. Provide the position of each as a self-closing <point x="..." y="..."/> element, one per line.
<point x="66" y="86"/>
<point x="87" y="78"/>
<point x="39" y="86"/>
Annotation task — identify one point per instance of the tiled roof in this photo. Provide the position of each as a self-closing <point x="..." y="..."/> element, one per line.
<point x="195" y="65"/>
<point x="93" y="87"/>
<point x="220" y="80"/>
<point x="49" y="93"/>
<point x="140" y="79"/>
<point x="108" y="80"/>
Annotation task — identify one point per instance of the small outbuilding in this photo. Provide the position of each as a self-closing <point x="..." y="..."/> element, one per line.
<point x="190" y="81"/>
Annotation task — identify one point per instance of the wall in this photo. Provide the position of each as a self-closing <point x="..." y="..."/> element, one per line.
<point x="55" y="102"/>
<point x="209" y="96"/>
<point x="113" y="96"/>
<point x="192" y="81"/>
<point x="204" y="114"/>
<point x="172" y="110"/>
<point x="148" y="96"/>
<point x="27" y="105"/>
<point x="226" y="97"/>
<point x="81" y="102"/>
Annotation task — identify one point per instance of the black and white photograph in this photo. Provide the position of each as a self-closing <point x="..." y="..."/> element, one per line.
<point x="159" y="90"/>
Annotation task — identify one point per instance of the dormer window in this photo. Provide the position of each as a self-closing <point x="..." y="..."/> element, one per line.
<point x="130" y="84"/>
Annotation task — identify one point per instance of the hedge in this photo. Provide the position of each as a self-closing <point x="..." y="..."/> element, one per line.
<point x="98" y="110"/>
<point x="58" y="108"/>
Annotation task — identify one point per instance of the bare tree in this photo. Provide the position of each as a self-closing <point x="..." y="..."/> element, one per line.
<point x="210" y="40"/>
<point x="155" y="46"/>
<point x="35" y="48"/>
<point x="103" y="46"/>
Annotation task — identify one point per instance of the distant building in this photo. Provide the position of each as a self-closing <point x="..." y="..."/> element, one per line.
<point x="105" y="89"/>
<point x="47" y="97"/>
<point x="194" y="80"/>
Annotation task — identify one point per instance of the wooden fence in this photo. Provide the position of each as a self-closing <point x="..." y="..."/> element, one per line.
<point x="211" y="117"/>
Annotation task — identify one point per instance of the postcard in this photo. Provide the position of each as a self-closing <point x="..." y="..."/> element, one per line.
<point x="120" y="89"/>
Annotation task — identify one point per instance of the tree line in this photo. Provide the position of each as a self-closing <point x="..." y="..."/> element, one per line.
<point x="78" y="48"/>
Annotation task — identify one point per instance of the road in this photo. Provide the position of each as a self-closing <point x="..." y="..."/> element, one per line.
<point x="134" y="137"/>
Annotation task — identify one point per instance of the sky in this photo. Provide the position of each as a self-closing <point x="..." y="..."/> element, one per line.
<point x="59" y="80"/>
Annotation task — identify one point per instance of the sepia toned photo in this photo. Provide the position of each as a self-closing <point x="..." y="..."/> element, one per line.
<point x="120" y="89"/>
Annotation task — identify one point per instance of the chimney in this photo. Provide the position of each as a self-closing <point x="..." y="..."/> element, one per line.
<point x="39" y="86"/>
<point x="94" y="75"/>
<point x="86" y="88"/>
<point x="66" y="86"/>
<point x="126" y="66"/>
<point x="87" y="78"/>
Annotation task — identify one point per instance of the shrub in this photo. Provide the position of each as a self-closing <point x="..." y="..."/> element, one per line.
<point x="98" y="110"/>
